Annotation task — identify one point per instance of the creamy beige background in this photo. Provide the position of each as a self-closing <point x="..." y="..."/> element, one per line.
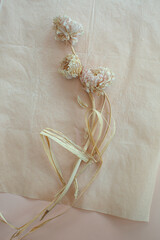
<point x="123" y="35"/>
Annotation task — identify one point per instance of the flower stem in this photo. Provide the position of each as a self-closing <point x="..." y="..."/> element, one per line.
<point x="72" y="48"/>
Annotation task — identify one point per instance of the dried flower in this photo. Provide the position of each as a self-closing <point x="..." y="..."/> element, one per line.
<point x="96" y="79"/>
<point x="67" y="30"/>
<point x="70" y="66"/>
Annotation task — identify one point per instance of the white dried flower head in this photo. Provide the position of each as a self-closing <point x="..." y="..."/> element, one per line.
<point x="71" y="66"/>
<point x="96" y="79"/>
<point x="67" y="30"/>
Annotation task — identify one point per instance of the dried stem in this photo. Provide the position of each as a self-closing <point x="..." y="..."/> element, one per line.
<point x="72" y="48"/>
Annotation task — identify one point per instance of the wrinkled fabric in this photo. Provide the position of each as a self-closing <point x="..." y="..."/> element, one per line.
<point x="121" y="35"/>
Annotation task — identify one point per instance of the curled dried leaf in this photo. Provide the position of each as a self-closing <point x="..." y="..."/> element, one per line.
<point x="81" y="103"/>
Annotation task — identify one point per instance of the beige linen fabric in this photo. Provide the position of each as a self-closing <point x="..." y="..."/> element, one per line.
<point x="123" y="35"/>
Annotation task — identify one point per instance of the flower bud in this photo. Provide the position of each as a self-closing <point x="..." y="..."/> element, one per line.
<point x="70" y="66"/>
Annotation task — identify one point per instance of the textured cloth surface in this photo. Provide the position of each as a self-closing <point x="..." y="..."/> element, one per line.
<point x="122" y="35"/>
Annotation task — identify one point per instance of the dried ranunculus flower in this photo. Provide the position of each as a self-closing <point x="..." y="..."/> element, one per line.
<point x="71" y="66"/>
<point x="67" y="30"/>
<point x="96" y="79"/>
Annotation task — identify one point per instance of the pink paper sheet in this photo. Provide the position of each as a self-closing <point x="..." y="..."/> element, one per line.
<point x="123" y="35"/>
<point x="78" y="224"/>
